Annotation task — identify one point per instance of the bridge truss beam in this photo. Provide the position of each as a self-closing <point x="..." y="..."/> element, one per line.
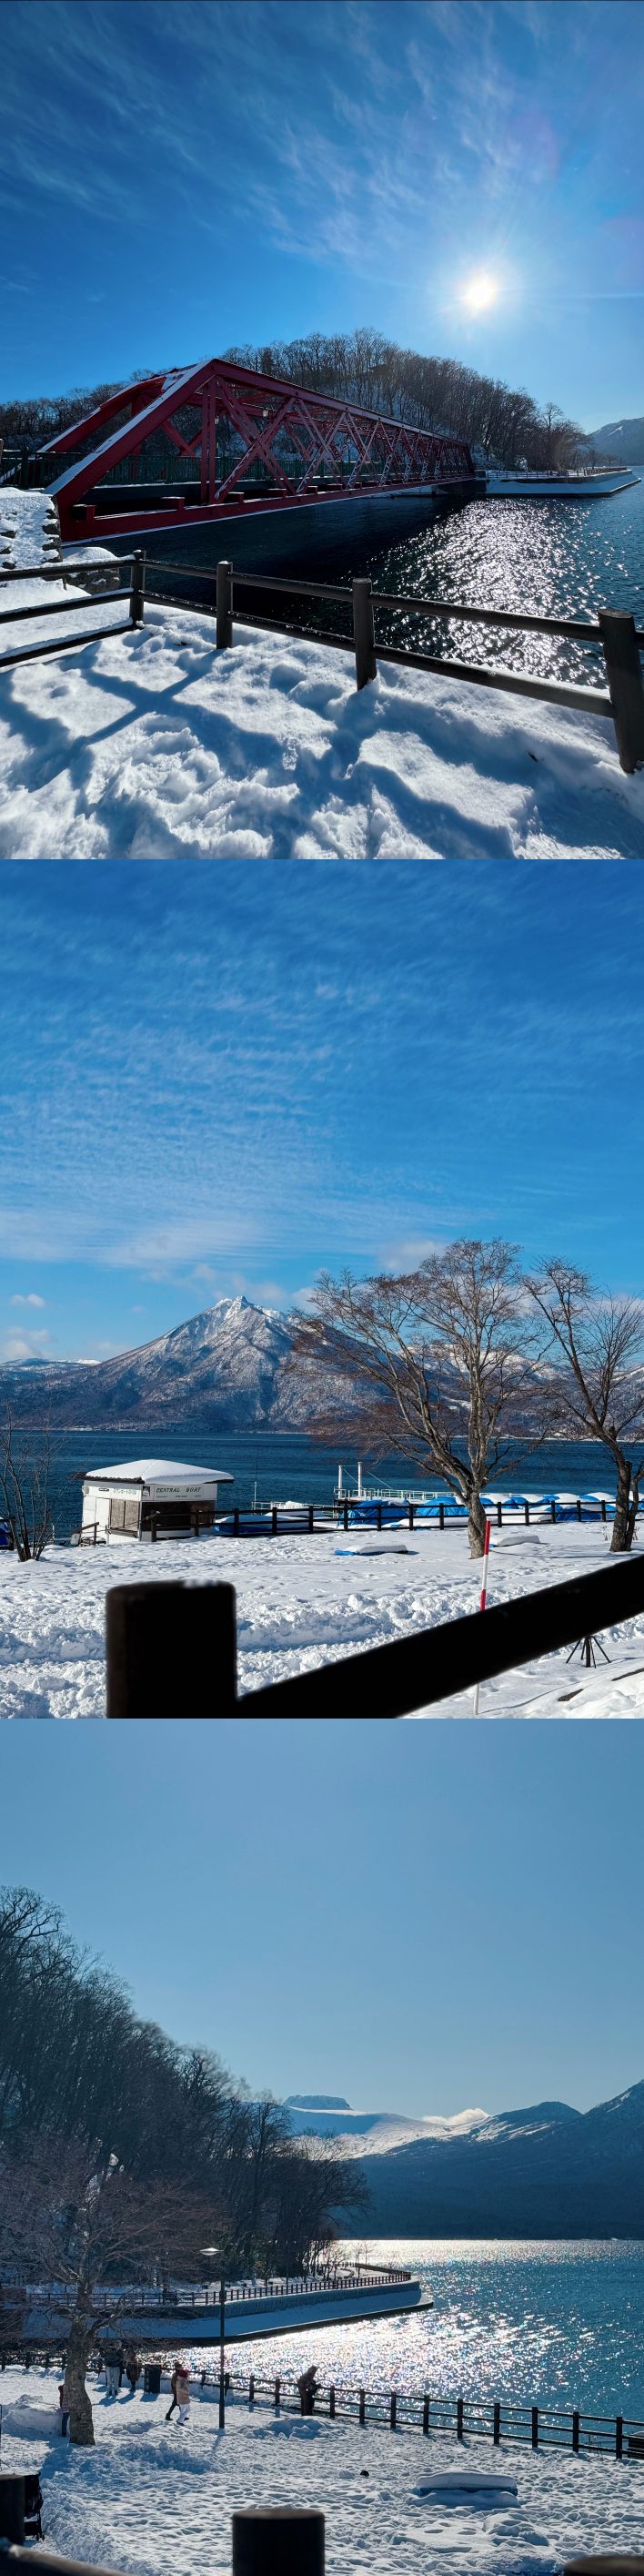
<point x="295" y="446"/>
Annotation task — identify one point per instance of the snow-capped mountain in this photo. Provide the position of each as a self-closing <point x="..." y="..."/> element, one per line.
<point x="226" y="1366"/>
<point x="545" y="2170"/>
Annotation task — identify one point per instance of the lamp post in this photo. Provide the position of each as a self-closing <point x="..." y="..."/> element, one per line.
<point x="216" y="2253"/>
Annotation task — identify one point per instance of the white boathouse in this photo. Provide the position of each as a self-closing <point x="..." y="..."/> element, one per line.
<point x="149" y="1498"/>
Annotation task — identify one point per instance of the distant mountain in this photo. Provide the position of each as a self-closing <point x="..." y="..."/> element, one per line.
<point x="378" y="2130"/>
<point x="544" y="2171"/>
<point x="621" y="438"/>
<point x="225" y="1367"/>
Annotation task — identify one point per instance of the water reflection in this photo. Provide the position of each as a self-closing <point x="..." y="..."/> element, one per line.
<point x="555" y="2324"/>
<point x="548" y="558"/>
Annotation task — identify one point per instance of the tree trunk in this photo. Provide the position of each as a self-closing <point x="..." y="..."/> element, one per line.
<point x="476" y="1519"/>
<point x="625" y="1511"/>
<point x="81" y="2421"/>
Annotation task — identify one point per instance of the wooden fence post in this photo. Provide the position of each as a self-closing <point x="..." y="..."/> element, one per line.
<point x="276" y="2396"/>
<point x="137" y="589"/>
<point x="332" y="2402"/>
<point x="619" y="2437"/>
<point x="624" y="676"/>
<point x="363" y="634"/>
<point x="361" y="2416"/>
<point x="426" y="2414"/>
<point x="496" y="2437"/>
<point x="311" y="1523"/>
<point x="575" y="2431"/>
<point x="459" y="2419"/>
<point x="171" y="1650"/>
<point x="535" y="2427"/>
<point x="224" y="606"/>
<point x="251" y="2389"/>
<point x="278" y="2540"/>
<point x="392" y="2410"/>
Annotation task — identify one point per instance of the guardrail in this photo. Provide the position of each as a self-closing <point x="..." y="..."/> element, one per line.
<point x="614" y="631"/>
<point x="172" y="1651"/>
<point x="134" y="592"/>
<point x="248" y="2293"/>
<point x="465" y="2418"/>
<point x="382" y="1512"/>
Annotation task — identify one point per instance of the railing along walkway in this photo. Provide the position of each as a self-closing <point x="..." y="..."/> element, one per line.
<point x="172" y="1651"/>
<point x="464" y="2418"/>
<point x="97" y="579"/>
<point x="614" y="631"/>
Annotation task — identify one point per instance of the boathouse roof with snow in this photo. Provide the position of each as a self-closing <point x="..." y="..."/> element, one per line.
<point x="150" y="1498"/>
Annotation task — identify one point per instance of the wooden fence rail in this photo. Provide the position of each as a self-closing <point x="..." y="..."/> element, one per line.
<point x="172" y="1651"/>
<point x="133" y="591"/>
<point x="614" y="631"/>
<point x="466" y="2418"/>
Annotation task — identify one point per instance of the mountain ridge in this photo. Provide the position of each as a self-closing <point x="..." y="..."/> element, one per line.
<point x="621" y="438"/>
<point x="543" y="2170"/>
<point x="226" y="1366"/>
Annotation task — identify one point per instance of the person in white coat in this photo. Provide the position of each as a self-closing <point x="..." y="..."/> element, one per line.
<point x="183" y="2392"/>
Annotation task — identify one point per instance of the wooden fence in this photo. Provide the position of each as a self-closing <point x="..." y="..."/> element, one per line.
<point x="614" y="631"/>
<point x="172" y="1651"/>
<point x="90" y="577"/>
<point x="462" y="2418"/>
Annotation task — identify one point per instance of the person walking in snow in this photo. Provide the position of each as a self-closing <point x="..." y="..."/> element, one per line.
<point x="133" y="2370"/>
<point x="173" y="2385"/>
<point x="308" y="2389"/>
<point x="183" y="2392"/>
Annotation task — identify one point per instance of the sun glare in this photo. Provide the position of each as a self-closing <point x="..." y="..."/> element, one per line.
<point x="480" y="292"/>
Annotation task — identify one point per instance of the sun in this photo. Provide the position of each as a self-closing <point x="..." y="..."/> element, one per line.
<point x="481" y="291"/>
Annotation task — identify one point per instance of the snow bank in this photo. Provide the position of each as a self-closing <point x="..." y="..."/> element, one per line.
<point x="29" y="530"/>
<point x="302" y="1602"/>
<point x="29" y="2420"/>
<point x="153" y="2498"/>
<point x="151" y="746"/>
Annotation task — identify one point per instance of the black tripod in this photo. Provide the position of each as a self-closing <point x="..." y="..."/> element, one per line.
<point x="585" y="1649"/>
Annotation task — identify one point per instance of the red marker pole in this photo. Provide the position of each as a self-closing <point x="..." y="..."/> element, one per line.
<point x="483" y="1600"/>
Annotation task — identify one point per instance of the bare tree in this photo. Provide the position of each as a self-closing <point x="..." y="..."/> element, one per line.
<point x="71" y="2216"/>
<point x="25" y="1488"/>
<point x="439" y="1365"/>
<point x="598" y="1346"/>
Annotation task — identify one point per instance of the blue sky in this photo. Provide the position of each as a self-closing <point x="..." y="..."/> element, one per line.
<point x="418" y="1917"/>
<point x="221" y="1079"/>
<point x="182" y="174"/>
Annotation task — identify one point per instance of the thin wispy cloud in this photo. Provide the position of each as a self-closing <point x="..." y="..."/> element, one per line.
<point x="246" y="1092"/>
<point x="339" y="163"/>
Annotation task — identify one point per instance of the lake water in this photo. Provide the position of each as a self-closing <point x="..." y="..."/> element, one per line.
<point x="551" y="2324"/>
<point x="551" y="558"/>
<point x="286" y="1467"/>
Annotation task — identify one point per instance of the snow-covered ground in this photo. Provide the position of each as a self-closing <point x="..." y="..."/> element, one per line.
<point x="149" y="745"/>
<point x="154" y="2497"/>
<point x="303" y="1601"/>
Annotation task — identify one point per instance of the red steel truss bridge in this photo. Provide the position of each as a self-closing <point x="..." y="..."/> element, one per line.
<point x="201" y="441"/>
